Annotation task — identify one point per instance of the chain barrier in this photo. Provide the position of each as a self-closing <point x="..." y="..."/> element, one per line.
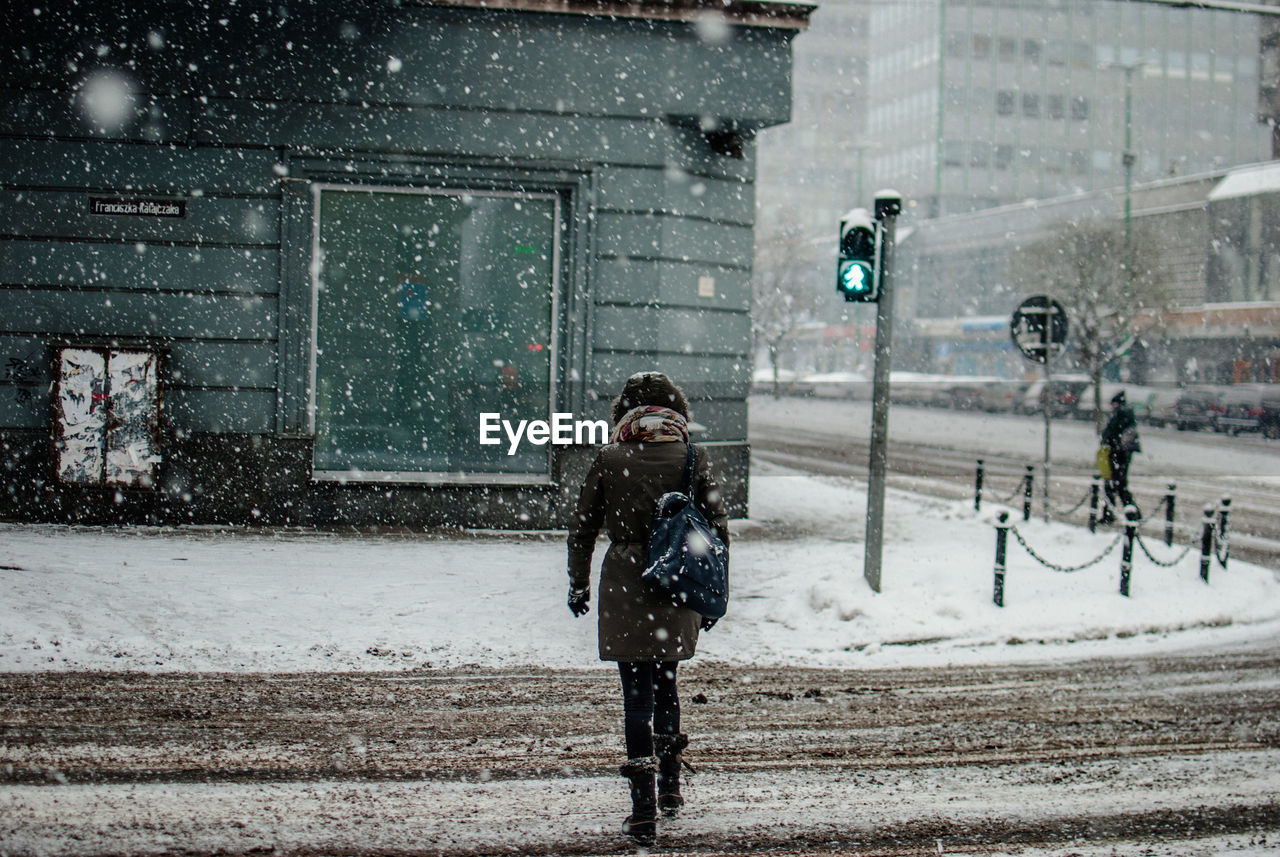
<point x="1016" y="492"/>
<point x="1062" y="513"/>
<point x="1065" y="569"/>
<point x="1171" y="563"/>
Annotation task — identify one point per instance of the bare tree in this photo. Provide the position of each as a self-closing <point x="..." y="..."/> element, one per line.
<point x="784" y="294"/>
<point x="1114" y="288"/>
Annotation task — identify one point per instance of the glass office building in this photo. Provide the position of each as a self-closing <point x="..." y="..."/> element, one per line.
<point x="976" y="103"/>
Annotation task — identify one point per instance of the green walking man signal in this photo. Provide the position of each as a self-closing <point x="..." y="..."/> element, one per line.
<point x="857" y="271"/>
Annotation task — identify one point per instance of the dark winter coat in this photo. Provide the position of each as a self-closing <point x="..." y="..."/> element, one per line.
<point x="620" y="494"/>
<point x="1122" y="419"/>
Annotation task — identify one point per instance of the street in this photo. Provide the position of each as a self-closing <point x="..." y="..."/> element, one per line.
<point x="975" y="760"/>
<point x="935" y="451"/>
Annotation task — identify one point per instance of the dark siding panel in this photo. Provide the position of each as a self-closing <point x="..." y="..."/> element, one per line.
<point x="722" y="419"/>
<point x="675" y="192"/>
<point x="407" y="54"/>
<point x="105" y="313"/>
<point x="24" y="382"/>
<point x="634" y="281"/>
<point x="680" y="331"/>
<point x="223" y="364"/>
<point x="222" y="410"/>
<point x="25" y="361"/>
<point x="426" y="131"/>
<point x="126" y="266"/>
<point x="112" y="165"/>
<point x="699" y="376"/>
<point x="216" y="220"/>
<point x="725" y="419"/>
<point x="153" y="119"/>
<point x="679" y="239"/>
<point x="24" y="406"/>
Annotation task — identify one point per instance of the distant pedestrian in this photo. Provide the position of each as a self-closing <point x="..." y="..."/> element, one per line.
<point x="646" y="635"/>
<point x="1120" y="437"/>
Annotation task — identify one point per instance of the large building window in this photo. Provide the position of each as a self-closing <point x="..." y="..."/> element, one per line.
<point x="1079" y="108"/>
<point x="430" y="308"/>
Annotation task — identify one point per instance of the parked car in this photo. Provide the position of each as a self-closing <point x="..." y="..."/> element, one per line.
<point x="1139" y="398"/>
<point x="961" y="392"/>
<point x="916" y="388"/>
<point x="1001" y="396"/>
<point x="1271" y="412"/>
<point x="1066" y="393"/>
<point x="1162" y="406"/>
<point x="1241" y="409"/>
<point x="1197" y="408"/>
<point x="839" y="385"/>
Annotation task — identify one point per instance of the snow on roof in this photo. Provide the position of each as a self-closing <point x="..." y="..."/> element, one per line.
<point x="782" y="14"/>
<point x="1248" y="182"/>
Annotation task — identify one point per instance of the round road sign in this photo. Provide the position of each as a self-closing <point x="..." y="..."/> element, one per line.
<point x="1039" y="328"/>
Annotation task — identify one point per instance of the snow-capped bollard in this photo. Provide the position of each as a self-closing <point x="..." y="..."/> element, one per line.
<point x="1168" y="514"/>
<point x="1126" y="550"/>
<point x="1002" y="544"/>
<point x="1095" y="492"/>
<point x="1206" y="542"/>
<point x="1027" y="480"/>
<point x="1224" y="533"/>
<point x="977" y="489"/>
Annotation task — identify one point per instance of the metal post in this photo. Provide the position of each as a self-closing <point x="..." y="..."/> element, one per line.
<point x="1048" y="399"/>
<point x="1128" y="159"/>
<point x="1028" y="481"/>
<point x="1094" y="492"/>
<point x="1126" y="553"/>
<point x="1002" y="544"/>
<point x="1169" y="500"/>
<point x="888" y="207"/>
<point x="977" y="489"/>
<point x="1206" y="542"/>
<point x="1224" y="534"/>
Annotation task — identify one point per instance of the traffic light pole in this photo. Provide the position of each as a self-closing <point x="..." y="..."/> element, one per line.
<point x="888" y="206"/>
<point x="1048" y="404"/>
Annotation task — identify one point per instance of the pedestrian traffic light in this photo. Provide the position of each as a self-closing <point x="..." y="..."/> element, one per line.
<point x="856" y="276"/>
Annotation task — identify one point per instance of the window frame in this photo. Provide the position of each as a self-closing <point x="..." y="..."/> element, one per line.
<point x="560" y="235"/>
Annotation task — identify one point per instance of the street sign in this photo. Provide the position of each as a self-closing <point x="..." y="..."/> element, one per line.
<point x="1039" y="328"/>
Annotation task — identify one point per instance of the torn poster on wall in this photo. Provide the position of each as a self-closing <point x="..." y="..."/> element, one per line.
<point x="107" y="417"/>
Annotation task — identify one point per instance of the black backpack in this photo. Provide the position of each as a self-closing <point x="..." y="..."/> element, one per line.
<point x="688" y="562"/>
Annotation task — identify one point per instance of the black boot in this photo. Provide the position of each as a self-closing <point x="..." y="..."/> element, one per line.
<point x="642" y="824"/>
<point x="670" y="749"/>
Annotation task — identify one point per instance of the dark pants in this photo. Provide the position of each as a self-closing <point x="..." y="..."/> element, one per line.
<point x="1118" y="485"/>
<point x="649" y="704"/>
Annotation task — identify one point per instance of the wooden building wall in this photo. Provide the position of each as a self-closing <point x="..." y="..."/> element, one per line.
<point x="642" y="126"/>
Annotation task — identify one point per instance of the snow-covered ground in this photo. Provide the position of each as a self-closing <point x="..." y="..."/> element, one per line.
<point x="211" y="599"/>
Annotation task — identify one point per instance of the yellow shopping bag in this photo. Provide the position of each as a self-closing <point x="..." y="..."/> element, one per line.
<point x="1104" y="461"/>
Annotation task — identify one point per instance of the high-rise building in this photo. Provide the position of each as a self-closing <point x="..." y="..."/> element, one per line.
<point x="976" y="103"/>
<point x="812" y="168"/>
<point x="966" y="104"/>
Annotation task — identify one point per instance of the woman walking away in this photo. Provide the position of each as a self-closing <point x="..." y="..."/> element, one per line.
<point x="647" y="635"/>
<point x="1120" y="437"/>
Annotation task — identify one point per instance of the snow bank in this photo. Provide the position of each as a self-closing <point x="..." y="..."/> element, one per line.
<point x="209" y="599"/>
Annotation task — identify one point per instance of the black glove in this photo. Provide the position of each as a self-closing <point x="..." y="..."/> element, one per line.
<point x="708" y="623"/>
<point x="578" y="599"/>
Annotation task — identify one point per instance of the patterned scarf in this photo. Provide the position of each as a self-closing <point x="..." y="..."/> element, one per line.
<point x="651" y="424"/>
